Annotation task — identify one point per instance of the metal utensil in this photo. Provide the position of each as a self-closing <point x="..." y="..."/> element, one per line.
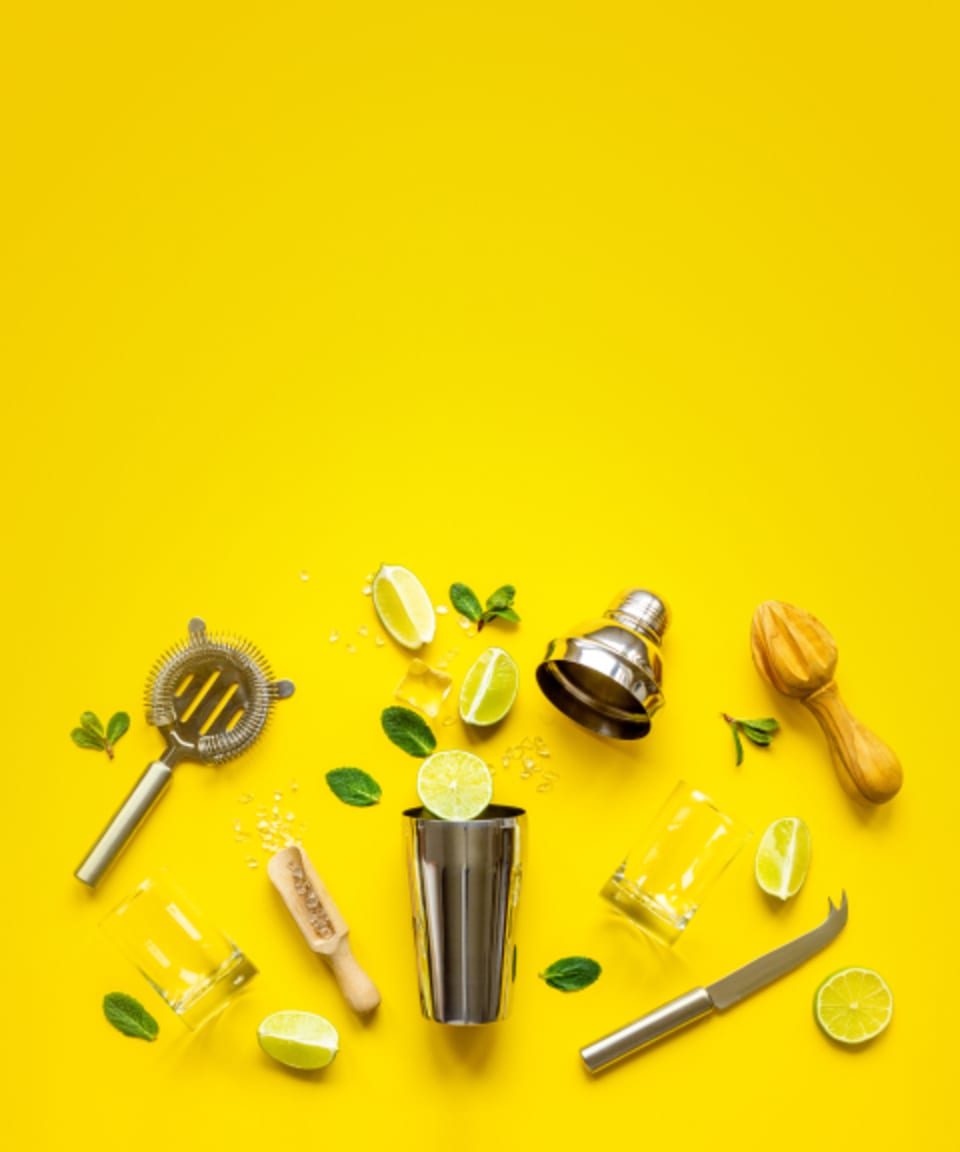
<point x="464" y="890"/>
<point x="210" y="696"/>
<point x="720" y="995"/>
<point x="607" y="673"/>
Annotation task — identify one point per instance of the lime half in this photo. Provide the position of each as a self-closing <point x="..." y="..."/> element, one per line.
<point x="489" y="688"/>
<point x="783" y="857"/>
<point x="299" y="1039"/>
<point x="403" y="606"/>
<point x="853" y="1005"/>
<point x="454" y="785"/>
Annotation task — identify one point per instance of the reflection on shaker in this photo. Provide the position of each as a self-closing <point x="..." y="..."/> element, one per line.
<point x="464" y="889"/>
<point x="607" y="673"/>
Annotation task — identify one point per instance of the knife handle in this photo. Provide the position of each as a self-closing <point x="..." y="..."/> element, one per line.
<point x="684" y="1010"/>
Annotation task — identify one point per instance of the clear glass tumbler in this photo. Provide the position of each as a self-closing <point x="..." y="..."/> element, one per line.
<point x="193" y="965"/>
<point x="662" y="881"/>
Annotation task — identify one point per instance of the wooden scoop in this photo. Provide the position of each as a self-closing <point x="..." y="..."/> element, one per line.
<point x="323" y="928"/>
<point x="796" y="654"/>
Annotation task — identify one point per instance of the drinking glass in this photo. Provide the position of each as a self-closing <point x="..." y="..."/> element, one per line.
<point x="193" y="965"/>
<point x="662" y="881"/>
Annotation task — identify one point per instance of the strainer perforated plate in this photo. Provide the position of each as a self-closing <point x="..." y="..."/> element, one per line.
<point x="211" y="696"/>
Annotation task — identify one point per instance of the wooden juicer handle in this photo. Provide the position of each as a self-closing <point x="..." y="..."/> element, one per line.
<point x="867" y="767"/>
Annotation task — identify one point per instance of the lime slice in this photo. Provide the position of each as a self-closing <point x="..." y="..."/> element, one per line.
<point x="454" y="785"/>
<point x="853" y="1005"/>
<point x="489" y="688"/>
<point x="783" y="857"/>
<point x="403" y="606"/>
<point x="299" y="1039"/>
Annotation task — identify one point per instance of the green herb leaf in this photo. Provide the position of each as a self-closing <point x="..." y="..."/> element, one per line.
<point x="760" y="732"/>
<point x="571" y="973"/>
<point x="129" y="1016"/>
<point x="738" y="744"/>
<point x="119" y="723"/>
<point x="755" y="736"/>
<point x="767" y="724"/>
<point x="502" y="598"/>
<point x="91" y="721"/>
<point x="503" y="614"/>
<point x="354" y="786"/>
<point x="465" y="601"/>
<point x="408" y="731"/>
<point x="84" y="738"/>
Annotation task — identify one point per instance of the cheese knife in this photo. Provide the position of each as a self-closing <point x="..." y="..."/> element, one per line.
<point x="722" y="994"/>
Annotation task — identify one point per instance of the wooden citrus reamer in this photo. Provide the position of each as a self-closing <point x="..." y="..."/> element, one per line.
<point x="796" y="654"/>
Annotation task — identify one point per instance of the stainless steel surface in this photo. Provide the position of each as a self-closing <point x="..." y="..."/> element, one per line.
<point x="661" y="1021"/>
<point x="752" y="977"/>
<point x="607" y="673"/>
<point x="720" y="995"/>
<point x="210" y="695"/>
<point x="464" y="888"/>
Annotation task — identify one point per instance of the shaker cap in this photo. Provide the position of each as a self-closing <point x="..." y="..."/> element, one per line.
<point x="642" y="610"/>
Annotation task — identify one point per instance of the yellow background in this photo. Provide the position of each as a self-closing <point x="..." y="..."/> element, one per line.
<point x="575" y="296"/>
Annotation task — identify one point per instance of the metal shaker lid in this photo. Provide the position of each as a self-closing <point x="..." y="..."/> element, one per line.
<point x="606" y="674"/>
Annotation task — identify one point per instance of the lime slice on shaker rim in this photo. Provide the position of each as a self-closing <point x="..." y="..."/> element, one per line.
<point x="454" y="785"/>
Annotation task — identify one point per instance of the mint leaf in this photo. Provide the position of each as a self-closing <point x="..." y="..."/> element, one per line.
<point x="502" y="598"/>
<point x="354" y="786"/>
<point x="765" y="725"/>
<point x="737" y="743"/>
<point x="503" y="614"/>
<point x="408" y="731"/>
<point x="465" y="601"/>
<point x="118" y="724"/>
<point x="129" y="1016"/>
<point x="91" y="721"/>
<point x="760" y="732"/>
<point x="571" y="973"/>
<point x="84" y="738"/>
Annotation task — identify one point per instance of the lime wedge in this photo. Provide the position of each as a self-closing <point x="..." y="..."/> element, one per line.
<point x="403" y="606"/>
<point x="489" y="688"/>
<point x="454" y="785"/>
<point x="783" y="857"/>
<point x="299" y="1039"/>
<point x="853" y="1005"/>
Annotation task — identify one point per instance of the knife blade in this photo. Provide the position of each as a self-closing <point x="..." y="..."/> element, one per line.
<point x="722" y="994"/>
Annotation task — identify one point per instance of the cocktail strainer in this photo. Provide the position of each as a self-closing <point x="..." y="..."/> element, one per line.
<point x="210" y="696"/>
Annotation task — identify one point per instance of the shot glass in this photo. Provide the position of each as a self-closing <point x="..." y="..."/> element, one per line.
<point x="196" y="968"/>
<point x="464" y="887"/>
<point x="663" y="880"/>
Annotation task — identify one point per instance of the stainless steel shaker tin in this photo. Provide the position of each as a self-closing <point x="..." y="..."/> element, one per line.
<point x="464" y="887"/>
<point x="606" y="674"/>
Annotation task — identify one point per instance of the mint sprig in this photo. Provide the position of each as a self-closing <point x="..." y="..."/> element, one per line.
<point x="571" y="973"/>
<point x="129" y="1016"/>
<point x="499" y="604"/>
<point x="408" y="731"/>
<point x="354" y="787"/>
<point x="90" y="734"/>
<point x="760" y="732"/>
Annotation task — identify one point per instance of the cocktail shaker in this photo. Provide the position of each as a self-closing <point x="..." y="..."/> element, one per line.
<point x="464" y="888"/>
<point x="606" y="674"/>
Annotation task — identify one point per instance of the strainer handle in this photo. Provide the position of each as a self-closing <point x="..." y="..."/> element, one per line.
<point x="126" y="820"/>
